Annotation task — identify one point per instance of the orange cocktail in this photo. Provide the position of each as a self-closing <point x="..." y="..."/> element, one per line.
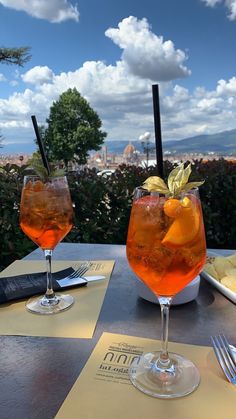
<point x="166" y="241"/>
<point x="166" y="248"/>
<point x="46" y="213"/>
<point x="46" y="216"/>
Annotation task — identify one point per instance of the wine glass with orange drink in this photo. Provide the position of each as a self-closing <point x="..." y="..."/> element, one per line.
<point x="166" y="248"/>
<point x="46" y="216"/>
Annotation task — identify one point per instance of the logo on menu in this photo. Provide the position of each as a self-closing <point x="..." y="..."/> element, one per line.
<point x="117" y="360"/>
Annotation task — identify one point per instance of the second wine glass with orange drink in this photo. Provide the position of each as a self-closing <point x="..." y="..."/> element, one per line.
<point x="46" y="217"/>
<point x="166" y="248"/>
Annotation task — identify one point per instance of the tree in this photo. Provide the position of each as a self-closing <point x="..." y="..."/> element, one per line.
<point x="73" y="129"/>
<point x="18" y="56"/>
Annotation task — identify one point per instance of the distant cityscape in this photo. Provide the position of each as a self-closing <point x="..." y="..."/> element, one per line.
<point x="114" y="153"/>
<point x="105" y="159"/>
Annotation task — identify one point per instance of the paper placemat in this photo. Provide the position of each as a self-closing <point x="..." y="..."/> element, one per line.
<point x="77" y="322"/>
<point x="103" y="389"/>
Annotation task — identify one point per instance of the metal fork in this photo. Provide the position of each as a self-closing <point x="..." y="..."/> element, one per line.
<point x="84" y="267"/>
<point x="225" y="357"/>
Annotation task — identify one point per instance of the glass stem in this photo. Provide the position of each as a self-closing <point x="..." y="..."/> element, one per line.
<point x="164" y="360"/>
<point x="49" y="293"/>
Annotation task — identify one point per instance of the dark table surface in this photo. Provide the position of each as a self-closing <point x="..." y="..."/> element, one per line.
<point x="36" y="373"/>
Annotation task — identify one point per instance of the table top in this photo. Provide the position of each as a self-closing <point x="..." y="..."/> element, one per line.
<point x="36" y="373"/>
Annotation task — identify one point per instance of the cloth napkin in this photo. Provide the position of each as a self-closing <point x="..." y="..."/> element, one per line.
<point x="24" y="286"/>
<point x="77" y="322"/>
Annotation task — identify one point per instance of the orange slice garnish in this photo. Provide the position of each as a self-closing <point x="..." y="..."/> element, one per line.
<point x="185" y="226"/>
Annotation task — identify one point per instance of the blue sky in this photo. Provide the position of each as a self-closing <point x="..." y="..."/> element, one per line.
<point x="113" y="52"/>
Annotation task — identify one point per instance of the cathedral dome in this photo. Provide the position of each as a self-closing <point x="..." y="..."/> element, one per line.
<point x="129" y="149"/>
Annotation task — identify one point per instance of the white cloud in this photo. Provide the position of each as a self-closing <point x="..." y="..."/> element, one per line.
<point x="124" y="104"/>
<point x="122" y="97"/>
<point x="38" y="75"/>
<point x="227" y="88"/>
<point x="54" y="11"/>
<point x="145" y="54"/>
<point x="202" y="111"/>
<point x="2" y="77"/>
<point x="14" y="124"/>
<point x="201" y="129"/>
<point x="14" y="83"/>
<point x="229" y="4"/>
<point x="210" y="104"/>
<point x="211" y="3"/>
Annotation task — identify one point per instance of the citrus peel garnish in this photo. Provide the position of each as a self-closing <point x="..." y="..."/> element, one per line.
<point x="176" y="184"/>
<point x="185" y="226"/>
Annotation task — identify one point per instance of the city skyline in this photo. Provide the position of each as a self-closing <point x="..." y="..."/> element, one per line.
<point x="112" y="54"/>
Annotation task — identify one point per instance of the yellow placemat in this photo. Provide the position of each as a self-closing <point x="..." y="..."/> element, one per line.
<point x="103" y="389"/>
<point x="77" y="322"/>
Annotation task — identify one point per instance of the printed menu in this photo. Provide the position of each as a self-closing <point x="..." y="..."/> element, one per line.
<point x="103" y="389"/>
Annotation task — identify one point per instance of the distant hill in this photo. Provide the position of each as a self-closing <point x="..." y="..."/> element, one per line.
<point x="223" y="143"/>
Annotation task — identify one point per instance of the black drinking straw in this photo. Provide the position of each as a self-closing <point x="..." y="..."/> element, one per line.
<point x="40" y="144"/>
<point x="157" y="126"/>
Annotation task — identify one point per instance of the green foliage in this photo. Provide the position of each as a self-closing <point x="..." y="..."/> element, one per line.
<point x="14" y="244"/>
<point x="38" y="168"/>
<point x="218" y="196"/>
<point x="102" y="205"/>
<point x="73" y="129"/>
<point x="18" y="56"/>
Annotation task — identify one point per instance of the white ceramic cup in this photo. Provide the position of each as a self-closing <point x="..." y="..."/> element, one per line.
<point x="189" y="293"/>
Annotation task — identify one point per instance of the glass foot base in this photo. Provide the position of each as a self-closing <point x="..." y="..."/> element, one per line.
<point x="41" y="305"/>
<point x="180" y="379"/>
